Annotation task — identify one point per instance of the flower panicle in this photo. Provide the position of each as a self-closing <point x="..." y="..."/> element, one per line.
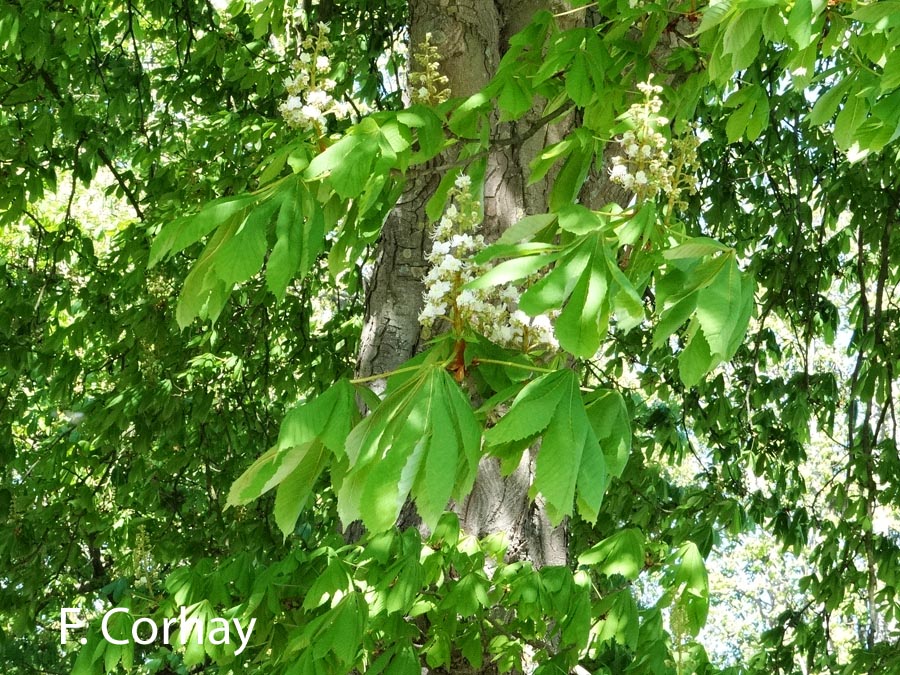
<point x="650" y="164"/>
<point x="426" y="83"/>
<point x="310" y="87"/>
<point x="492" y="312"/>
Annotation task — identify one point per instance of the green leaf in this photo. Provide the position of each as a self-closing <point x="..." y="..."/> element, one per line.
<point x="890" y="75"/>
<point x="672" y="318"/>
<point x="567" y="441"/>
<point x="514" y="100"/>
<point x="578" y="81"/>
<point x="626" y="303"/>
<point x="545" y="160"/>
<point x="695" y="360"/>
<point x="265" y="473"/>
<point x="294" y="490"/>
<point x="526" y="228"/>
<point x="204" y="293"/>
<point x="242" y="256"/>
<point x="441" y="460"/>
<point x="559" y="457"/>
<point x="579" y="220"/>
<point x="325" y="420"/>
<point x="573" y="173"/>
<point x="429" y="130"/>
<point x="580" y="325"/>
<point x="849" y="119"/>
<point x="622" y="553"/>
<point x="465" y="119"/>
<point x="327" y="417"/>
<point x="300" y="238"/>
<point x="719" y="310"/>
<point x="608" y="415"/>
<point x="348" y="163"/>
<point x="422" y="441"/>
<point x="743" y="30"/>
<point x="737" y="122"/>
<point x="531" y="410"/>
<point x="512" y="270"/>
<point x="553" y="288"/>
<point x="799" y="25"/>
<point x="759" y="119"/>
<point x="404" y="662"/>
<point x="828" y="103"/>
<point x="181" y="233"/>
<point x="592" y="480"/>
<point x="342" y="632"/>
<point x="620" y="622"/>
<point x="715" y="14"/>
<point x="499" y="250"/>
<point x="695" y="247"/>
<point x="692" y="578"/>
<point x="873" y="12"/>
<point x="438" y="201"/>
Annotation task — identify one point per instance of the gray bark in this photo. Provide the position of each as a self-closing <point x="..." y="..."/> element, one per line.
<point x="471" y="36"/>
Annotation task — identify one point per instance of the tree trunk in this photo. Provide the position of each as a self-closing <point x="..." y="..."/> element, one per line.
<point x="472" y="36"/>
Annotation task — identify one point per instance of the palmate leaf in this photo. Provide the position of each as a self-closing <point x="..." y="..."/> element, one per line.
<point x="293" y="492"/>
<point x="570" y="458"/>
<point x="237" y="249"/>
<point x="582" y="322"/>
<point x="620" y="622"/>
<point x="183" y="232"/>
<point x="720" y="310"/>
<point x="696" y="359"/>
<point x="348" y="163"/>
<point x="327" y="417"/>
<point x="551" y="290"/>
<point x="609" y="418"/>
<point x="703" y="284"/>
<point x="531" y="410"/>
<point x="300" y="238"/>
<point x="310" y="434"/>
<point x="621" y="553"/>
<point x="204" y="293"/>
<point x="585" y="283"/>
<point x="422" y="441"/>
<point x="692" y="578"/>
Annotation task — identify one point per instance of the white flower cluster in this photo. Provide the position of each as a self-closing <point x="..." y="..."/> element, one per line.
<point x="426" y="83"/>
<point x="492" y="312"/>
<point x="647" y="167"/>
<point x="309" y="89"/>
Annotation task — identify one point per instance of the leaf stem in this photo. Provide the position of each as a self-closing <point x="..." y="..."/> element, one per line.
<point x="381" y="376"/>
<point x="514" y="365"/>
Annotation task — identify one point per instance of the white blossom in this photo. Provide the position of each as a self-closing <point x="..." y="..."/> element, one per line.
<point x="309" y="103"/>
<point x="493" y="312"/>
<point x="647" y="167"/>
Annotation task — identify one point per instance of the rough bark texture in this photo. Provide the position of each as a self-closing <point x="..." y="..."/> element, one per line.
<point x="471" y="36"/>
<point x="390" y="334"/>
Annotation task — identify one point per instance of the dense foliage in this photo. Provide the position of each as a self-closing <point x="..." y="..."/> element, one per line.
<point x="192" y="196"/>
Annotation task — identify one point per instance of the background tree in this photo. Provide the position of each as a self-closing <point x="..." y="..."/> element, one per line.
<point x="282" y="178"/>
